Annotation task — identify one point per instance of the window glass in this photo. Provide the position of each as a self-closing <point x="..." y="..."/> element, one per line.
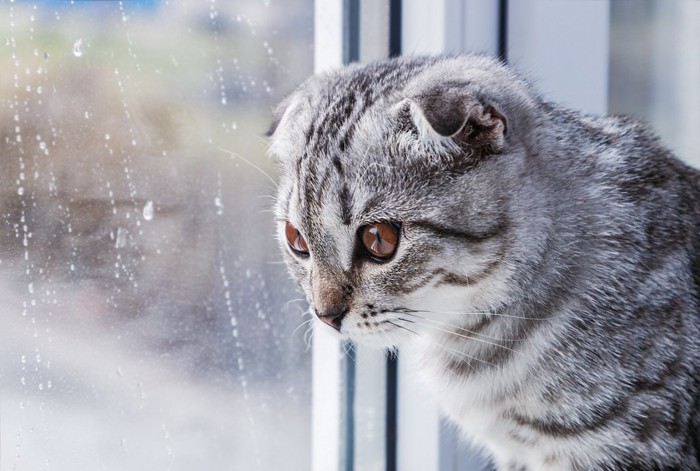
<point x="146" y="321"/>
<point x="655" y="68"/>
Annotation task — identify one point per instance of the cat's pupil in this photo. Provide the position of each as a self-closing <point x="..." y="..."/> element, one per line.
<point x="380" y="239"/>
<point x="295" y="240"/>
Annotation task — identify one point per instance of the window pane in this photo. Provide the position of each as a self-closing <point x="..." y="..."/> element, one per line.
<point x="655" y="68"/>
<point x="146" y="323"/>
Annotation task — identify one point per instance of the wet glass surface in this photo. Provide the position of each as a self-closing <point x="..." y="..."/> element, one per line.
<point x="146" y="323"/>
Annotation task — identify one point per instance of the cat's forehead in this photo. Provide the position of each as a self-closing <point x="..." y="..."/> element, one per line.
<point x="352" y="140"/>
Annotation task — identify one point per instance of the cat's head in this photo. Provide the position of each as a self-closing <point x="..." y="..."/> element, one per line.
<point x="393" y="202"/>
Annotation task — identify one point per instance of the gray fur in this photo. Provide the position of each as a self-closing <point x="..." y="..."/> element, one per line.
<point x="548" y="272"/>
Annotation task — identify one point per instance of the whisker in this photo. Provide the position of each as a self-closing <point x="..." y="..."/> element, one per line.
<point x="308" y="336"/>
<point x="445" y="324"/>
<point x="286" y="305"/>
<point x="401" y="327"/>
<point x="272" y="197"/>
<point x="483" y="313"/>
<point x="469" y="337"/>
<point x="238" y="156"/>
<point x="306" y="322"/>
<point x="457" y="353"/>
<point x="463" y="356"/>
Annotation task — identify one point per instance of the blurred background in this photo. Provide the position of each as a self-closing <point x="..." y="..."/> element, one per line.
<point x="145" y="321"/>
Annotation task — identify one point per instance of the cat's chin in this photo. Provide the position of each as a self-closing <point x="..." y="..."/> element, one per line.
<point x="384" y="339"/>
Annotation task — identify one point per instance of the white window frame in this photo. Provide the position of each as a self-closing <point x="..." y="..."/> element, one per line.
<point x="529" y="34"/>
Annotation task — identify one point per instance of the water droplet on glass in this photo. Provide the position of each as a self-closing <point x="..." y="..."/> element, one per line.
<point x="148" y="211"/>
<point x="121" y="238"/>
<point x="78" y="48"/>
<point x="46" y="56"/>
<point x="107" y="136"/>
<point x="20" y="191"/>
<point x="223" y="100"/>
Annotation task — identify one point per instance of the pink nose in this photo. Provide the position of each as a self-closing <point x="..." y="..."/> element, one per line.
<point x="333" y="317"/>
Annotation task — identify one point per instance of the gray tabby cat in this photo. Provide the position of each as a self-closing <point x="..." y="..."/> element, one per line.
<point x="544" y="264"/>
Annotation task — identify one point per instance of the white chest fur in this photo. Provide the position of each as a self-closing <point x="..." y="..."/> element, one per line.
<point x="479" y="405"/>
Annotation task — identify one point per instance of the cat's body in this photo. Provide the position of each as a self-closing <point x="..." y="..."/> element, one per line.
<point x="543" y="264"/>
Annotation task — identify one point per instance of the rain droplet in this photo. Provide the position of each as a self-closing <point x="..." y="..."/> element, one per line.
<point x="148" y="211"/>
<point x="121" y="238"/>
<point x="20" y="191"/>
<point x="78" y="48"/>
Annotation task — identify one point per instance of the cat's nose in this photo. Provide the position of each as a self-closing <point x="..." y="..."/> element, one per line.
<point x="334" y="316"/>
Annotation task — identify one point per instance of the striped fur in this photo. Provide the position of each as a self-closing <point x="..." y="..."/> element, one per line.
<point x="548" y="269"/>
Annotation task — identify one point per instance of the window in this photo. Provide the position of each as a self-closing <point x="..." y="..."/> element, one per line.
<point x="145" y="323"/>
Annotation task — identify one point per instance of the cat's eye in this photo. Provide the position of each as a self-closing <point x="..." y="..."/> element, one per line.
<point x="296" y="240"/>
<point x="380" y="239"/>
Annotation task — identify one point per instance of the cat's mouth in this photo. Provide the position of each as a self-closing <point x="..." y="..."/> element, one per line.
<point x="370" y="323"/>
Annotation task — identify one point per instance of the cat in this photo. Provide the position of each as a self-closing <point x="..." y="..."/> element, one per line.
<point x="543" y="264"/>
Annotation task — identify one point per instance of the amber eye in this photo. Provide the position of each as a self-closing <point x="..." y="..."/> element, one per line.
<point x="295" y="240"/>
<point x="380" y="239"/>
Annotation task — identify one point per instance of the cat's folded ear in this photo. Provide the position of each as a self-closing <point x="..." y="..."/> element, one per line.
<point x="450" y="112"/>
<point x="278" y="113"/>
<point x="282" y="132"/>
